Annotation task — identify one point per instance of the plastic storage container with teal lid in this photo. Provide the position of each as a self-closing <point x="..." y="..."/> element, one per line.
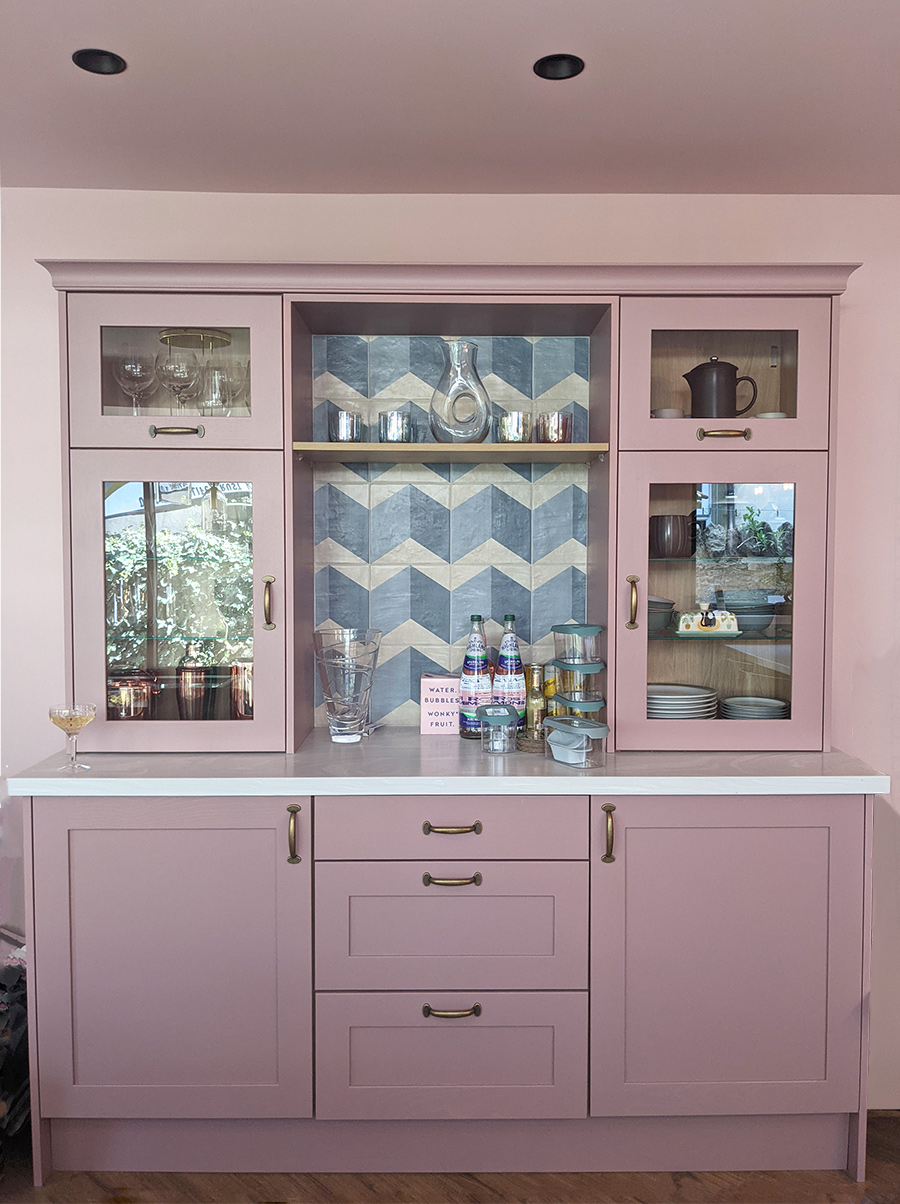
<point x="499" y="725"/>
<point x="576" y="643"/>
<point x="576" y="742"/>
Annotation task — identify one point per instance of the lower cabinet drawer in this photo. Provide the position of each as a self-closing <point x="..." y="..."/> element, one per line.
<point x="452" y="925"/>
<point x="381" y="1057"/>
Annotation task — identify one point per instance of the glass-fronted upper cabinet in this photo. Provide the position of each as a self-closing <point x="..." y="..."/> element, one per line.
<point x="178" y="601"/>
<point x="749" y="373"/>
<point x="721" y="590"/>
<point x="150" y="370"/>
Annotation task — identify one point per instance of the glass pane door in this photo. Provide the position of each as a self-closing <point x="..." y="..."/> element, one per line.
<point x="177" y="372"/>
<point x="178" y="559"/>
<point x="721" y="625"/>
<point x="720" y="600"/>
<point x="752" y="373"/>
<point x="180" y="599"/>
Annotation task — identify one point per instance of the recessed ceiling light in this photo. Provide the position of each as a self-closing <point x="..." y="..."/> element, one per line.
<point x="559" y="66"/>
<point x="100" y="62"/>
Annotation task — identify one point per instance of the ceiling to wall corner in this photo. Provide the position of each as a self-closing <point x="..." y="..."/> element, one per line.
<point x="439" y="96"/>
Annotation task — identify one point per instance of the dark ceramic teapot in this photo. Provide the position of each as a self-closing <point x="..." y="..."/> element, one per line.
<point x="714" y="389"/>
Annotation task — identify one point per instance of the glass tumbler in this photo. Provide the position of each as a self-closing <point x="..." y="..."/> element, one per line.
<point x="346" y="658"/>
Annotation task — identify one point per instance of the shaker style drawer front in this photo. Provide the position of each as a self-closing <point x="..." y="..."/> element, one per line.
<point x="395" y="1057"/>
<point x="476" y="924"/>
<point x="538" y="827"/>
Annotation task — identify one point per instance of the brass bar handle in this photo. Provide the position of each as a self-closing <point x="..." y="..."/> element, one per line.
<point x="268" y="625"/>
<point x="428" y="1010"/>
<point x="702" y="434"/>
<point x="477" y="828"/>
<point x="293" y="859"/>
<point x="632" y="623"/>
<point x="610" y="831"/>
<point x="475" y="880"/>
<point x="199" y="431"/>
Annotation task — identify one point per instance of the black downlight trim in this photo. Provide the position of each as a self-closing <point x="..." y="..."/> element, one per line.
<point x="99" y="62"/>
<point x="559" y="66"/>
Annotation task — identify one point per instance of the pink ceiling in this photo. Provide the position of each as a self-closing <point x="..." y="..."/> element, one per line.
<point x="756" y="96"/>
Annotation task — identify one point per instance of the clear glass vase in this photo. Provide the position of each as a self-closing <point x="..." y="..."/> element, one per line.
<point x="460" y="407"/>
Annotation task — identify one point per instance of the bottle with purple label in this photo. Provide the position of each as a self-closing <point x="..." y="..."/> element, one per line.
<point x="509" y="676"/>
<point x="474" y="681"/>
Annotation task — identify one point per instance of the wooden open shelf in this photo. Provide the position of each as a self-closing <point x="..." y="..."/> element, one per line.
<point x="458" y="453"/>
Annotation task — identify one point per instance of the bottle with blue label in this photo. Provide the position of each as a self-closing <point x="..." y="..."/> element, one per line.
<point x="474" y="682"/>
<point x="509" y="676"/>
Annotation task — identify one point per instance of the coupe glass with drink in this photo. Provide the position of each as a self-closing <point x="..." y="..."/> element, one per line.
<point x="71" y="720"/>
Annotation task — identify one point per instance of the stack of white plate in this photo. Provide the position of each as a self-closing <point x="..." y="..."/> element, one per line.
<point x="755" y="708"/>
<point x="670" y="701"/>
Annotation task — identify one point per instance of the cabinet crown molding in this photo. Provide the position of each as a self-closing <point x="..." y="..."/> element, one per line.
<point x="376" y="280"/>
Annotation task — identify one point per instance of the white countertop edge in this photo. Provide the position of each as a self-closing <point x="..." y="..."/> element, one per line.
<point x="586" y="782"/>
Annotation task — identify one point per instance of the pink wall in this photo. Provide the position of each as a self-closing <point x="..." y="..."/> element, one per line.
<point x="49" y="223"/>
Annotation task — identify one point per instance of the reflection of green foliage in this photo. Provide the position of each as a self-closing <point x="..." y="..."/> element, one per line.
<point x="203" y="589"/>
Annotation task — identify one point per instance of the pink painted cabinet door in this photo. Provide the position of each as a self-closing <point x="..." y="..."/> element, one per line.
<point x="782" y="344"/>
<point x="169" y="370"/>
<point x="426" y="1055"/>
<point x="727" y="950"/>
<point x="744" y="536"/>
<point x="179" y="599"/>
<point x="172" y="947"/>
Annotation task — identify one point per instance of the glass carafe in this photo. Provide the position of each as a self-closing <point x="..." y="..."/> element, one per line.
<point x="460" y="406"/>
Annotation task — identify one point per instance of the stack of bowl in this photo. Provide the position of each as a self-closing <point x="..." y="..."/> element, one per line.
<point x="751" y="607"/>
<point x="659" y="612"/>
<point x="755" y="708"/>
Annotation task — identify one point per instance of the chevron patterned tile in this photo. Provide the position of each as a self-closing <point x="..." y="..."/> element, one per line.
<point x="342" y="596"/>
<point x="512" y="363"/>
<point x="341" y="521"/>
<point x="410" y="594"/>
<point x="492" y="514"/>
<point x="347" y="361"/>
<point x="559" y="519"/>
<point x="559" y="600"/>
<point x="420" y="513"/>
<point x="386" y="533"/>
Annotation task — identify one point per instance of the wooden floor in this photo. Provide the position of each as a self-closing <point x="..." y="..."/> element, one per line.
<point x="794" y="1187"/>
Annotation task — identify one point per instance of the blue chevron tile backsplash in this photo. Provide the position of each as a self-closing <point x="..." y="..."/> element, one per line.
<point x="415" y="549"/>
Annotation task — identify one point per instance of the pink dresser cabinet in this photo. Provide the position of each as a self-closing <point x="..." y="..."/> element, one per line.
<point x="616" y="981"/>
<point x="453" y="982"/>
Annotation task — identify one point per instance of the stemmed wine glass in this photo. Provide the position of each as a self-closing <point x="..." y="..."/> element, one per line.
<point x="178" y="371"/>
<point x="71" y="720"/>
<point x="135" y="374"/>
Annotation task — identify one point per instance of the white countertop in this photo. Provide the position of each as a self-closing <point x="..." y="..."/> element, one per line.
<point x="401" y="761"/>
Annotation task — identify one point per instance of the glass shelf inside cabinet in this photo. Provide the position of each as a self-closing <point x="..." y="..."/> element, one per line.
<point x="176" y="372"/>
<point x="720" y="600"/>
<point x="755" y="369"/>
<point x="179" y="600"/>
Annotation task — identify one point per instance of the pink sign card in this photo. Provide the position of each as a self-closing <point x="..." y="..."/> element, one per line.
<point x="440" y="705"/>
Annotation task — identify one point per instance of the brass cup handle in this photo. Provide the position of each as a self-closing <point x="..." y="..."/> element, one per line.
<point x="293" y="859"/>
<point x="477" y="828"/>
<point x="610" y="831"/>
<point x="199" y="431"/>
<point x="428" y="1010"/>
<point x="268" y="625"/>
<point x="702" y="434"/>
<point x="475" y="880"/>
<point x="632" y="622"/>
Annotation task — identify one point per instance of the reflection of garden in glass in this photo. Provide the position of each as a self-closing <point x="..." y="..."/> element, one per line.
<point x="178" y="563"/>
